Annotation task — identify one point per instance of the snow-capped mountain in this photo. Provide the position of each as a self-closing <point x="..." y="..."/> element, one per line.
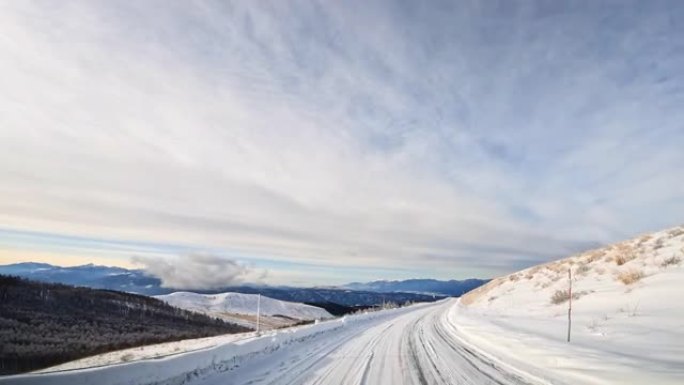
<point x="245" y="304"/>
<point x="626" y="310"/>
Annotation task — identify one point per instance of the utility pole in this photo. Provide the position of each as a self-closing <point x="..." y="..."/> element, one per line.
<point x="569" y="302"/>
<point x="258" y="311"/>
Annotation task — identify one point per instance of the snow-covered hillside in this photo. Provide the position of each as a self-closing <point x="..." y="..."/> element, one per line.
<point x="627" y="315"/>
<point x="242" y="308"/>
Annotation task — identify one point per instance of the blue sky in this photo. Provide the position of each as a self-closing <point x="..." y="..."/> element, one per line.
<point x="325" y="142"/>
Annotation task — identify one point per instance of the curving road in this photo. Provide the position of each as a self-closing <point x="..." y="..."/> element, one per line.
<point x="416" y="346"/>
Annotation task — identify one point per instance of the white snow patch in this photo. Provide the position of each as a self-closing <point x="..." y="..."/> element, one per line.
<point x="245" y="304"/>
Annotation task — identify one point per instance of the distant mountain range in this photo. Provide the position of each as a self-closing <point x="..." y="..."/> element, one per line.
<point x="94" y="276"/>
<point x="137" y="281"/>
<point x="422" y="286"/>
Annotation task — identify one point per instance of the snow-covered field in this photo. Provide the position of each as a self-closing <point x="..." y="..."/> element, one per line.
<point x="628" y="318"/>
<point x="242" y="308"/>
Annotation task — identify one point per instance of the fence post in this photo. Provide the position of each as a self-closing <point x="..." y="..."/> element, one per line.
<point x="569" y="302"/>
<point x="258" y="312"/>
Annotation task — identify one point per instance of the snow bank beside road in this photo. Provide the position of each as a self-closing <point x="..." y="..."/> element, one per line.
<point x="146" y="352"/>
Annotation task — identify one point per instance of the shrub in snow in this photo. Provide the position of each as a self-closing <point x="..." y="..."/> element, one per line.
<point x="127" y="357"/>
<point x="560" y="296"/>
<point x="581" y="269"/>
<point x="673" y="260"/>
<point x="624" y="258"/>
<point x="631" y="276"/>
<point x="595" y="256"/>
<point x="675" y="233"/>
<point x="644" y="239"/>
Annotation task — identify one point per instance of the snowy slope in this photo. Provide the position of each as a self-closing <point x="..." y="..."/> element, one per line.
<point x="246" y="304"/>
<point x="628" y="319"/>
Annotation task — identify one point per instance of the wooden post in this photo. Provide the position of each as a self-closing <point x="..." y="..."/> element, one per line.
<point x="258" y="312"/>
<point x="569" y="302"/>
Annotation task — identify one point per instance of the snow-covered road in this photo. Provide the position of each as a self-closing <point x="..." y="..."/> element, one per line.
<point x="417" y="346"/>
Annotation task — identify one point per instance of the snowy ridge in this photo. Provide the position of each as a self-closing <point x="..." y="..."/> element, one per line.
<point x="628" y="321"/>
<point x="237" y="303"/>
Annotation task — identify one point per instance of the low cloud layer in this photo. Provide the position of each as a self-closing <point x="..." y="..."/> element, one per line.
<point x="198" y="271"/>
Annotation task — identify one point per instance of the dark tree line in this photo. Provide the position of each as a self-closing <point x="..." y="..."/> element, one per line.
<point x="339" y="310"/>
<point x="45" y="324"/>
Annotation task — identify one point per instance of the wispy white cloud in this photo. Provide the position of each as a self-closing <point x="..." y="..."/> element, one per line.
<point x="475" y="135"/>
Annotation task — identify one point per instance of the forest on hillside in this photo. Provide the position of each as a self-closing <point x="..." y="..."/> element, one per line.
<point x="45" y="324"/>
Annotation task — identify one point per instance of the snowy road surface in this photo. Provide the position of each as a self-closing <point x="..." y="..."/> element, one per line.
<point x="413" y="347"/>
<point x="419" y="344"/>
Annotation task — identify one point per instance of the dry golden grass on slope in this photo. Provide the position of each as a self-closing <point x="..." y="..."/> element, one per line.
<point x="627" y="258"/>
<point x="630" y="276"/>
<point x="474" y="295"/>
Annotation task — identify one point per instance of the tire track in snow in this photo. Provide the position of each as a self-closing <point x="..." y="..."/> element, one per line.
<point x="317" y="356"/>
<point x="339" y="366"/>
<point x="364" y="378"/>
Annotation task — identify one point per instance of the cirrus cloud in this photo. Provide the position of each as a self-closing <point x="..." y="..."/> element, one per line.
<point x="453" y="139"/>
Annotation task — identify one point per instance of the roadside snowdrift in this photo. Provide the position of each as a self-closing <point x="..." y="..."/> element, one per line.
<point x="147" y="352"/>
<point x="628" y="320"/>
